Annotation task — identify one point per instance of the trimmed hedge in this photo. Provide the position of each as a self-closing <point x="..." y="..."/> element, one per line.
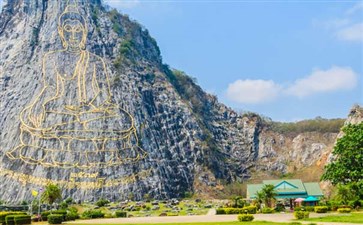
<point x="44" y="215"/>
<point x="321" y="209"/>
<point x="344" y="210"/>
<point x="267" y="210"/>
<point x="55" y="219"/>
<point x="72" y="216"/>
<point x="60" y="212"/>
<point x="120" y="214"/>
<point x="245" y="217"/>
<point x="3" y="215"/>
<point x="248" y="209"/>
<point x="301" y="215"/>
<point x="22" y="219"/>
<point x="305" y="208"/>
<point x="91" y="214"/>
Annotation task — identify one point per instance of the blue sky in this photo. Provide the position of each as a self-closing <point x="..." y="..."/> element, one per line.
<point x="288" y="60"/>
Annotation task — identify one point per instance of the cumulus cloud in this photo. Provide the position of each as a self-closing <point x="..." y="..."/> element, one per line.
<point x="123" y="4"/>
<point x="351" y="33"/>
<point x="319" y="81"/>
<point x="253" y="91"/>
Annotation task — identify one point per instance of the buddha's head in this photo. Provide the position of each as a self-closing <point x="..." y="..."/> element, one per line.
<point x="72" y="28"/>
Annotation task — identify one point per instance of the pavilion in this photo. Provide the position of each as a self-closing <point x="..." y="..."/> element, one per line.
<point x="290" y="189"/>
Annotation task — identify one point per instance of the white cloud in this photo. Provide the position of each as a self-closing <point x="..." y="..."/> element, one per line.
<point x="123" y="4"/>
<point x="319" y="81"/>
<point x="351" y="33"/>
<point x="356" y="8"/>
<point x="253" y="91"/>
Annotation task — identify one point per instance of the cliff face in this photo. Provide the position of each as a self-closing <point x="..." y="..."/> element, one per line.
<point x="112" y="120"/>
<point x="145" y="104"/>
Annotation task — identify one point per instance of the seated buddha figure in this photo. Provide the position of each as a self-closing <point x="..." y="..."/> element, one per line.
<point x="73" y="123"/>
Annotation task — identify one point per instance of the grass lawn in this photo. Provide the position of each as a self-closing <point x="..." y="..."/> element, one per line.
<point x="344" y="218"/>
<point x="216" y="223"/>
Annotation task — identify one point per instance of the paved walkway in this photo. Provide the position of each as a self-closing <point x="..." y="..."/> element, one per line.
<point x="210" y="217"/>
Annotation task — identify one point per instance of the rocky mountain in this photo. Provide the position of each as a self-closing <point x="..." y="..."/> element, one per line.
<point x="87" y="104"/>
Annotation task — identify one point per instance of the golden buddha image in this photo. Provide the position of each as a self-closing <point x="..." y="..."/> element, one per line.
<point x="73" y="123"/>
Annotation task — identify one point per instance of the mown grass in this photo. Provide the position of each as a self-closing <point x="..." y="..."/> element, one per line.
<point x="343" y="218"/>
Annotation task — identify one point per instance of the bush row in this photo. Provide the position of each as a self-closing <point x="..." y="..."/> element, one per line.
<point x="344" y="210"/>
<point x="248" y="209"/>
<point x="3" y="215"/>
<point x="91" y="214"/>
<point x="321" y="209"/>
<point x="267" y="210"/>
<point x="18" y="219"/>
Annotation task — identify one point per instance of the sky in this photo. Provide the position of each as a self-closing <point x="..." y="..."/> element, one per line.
<point x="287" y="60"/>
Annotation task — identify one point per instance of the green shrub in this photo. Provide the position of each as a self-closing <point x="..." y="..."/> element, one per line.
<point x="22" y="219"/>
<point x="60" y="212"/>
<point x="17" y="219"/>
<point x="245" y="217"/>
<point x="71" y="216"/>
<point x="344" y="210"/>
<point x="44" y="215"/>
<point x="73" y="209"/>
<point x="305" y="208"/>
<point x="220" y="211"/>
<point x="344" y="206"/>
<point x="251" y="209"/>
<point x="301" y="215"/>
<point x="69" y="201"/>
<point x="91" y="214"/>
<point x="267" y="210"/>
<point x="279" y="208"/>
<point x="55" y="219"/>
<point x="248" y="209"/>
<point x="102" y="202"/>
<point x="63" y="205"/>
<point x="321" y="209"/>
<point x="9" y="220"/>
<point x="120" y="214"/>
<point x="295" y="223"/>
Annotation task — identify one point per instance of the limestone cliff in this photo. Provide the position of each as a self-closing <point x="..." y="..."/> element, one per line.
<point x="128" y="125"/>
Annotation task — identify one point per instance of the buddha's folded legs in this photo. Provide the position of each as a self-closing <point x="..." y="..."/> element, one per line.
<point x="69" y="152"/>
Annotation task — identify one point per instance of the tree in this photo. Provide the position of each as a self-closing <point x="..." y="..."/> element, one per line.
<point x="348" y="164"/>
<point x="267" y="194"/>
<point x="51" y="194"/>
<point x="344" y="193"/>
<point x="238" y="202"/>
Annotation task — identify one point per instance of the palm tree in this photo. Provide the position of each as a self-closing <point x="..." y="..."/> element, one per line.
<point x="51" y="194"/>
<point x="268" y="194"/>
<point x="260" y="196"/>
<point x="344" y="193"/>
